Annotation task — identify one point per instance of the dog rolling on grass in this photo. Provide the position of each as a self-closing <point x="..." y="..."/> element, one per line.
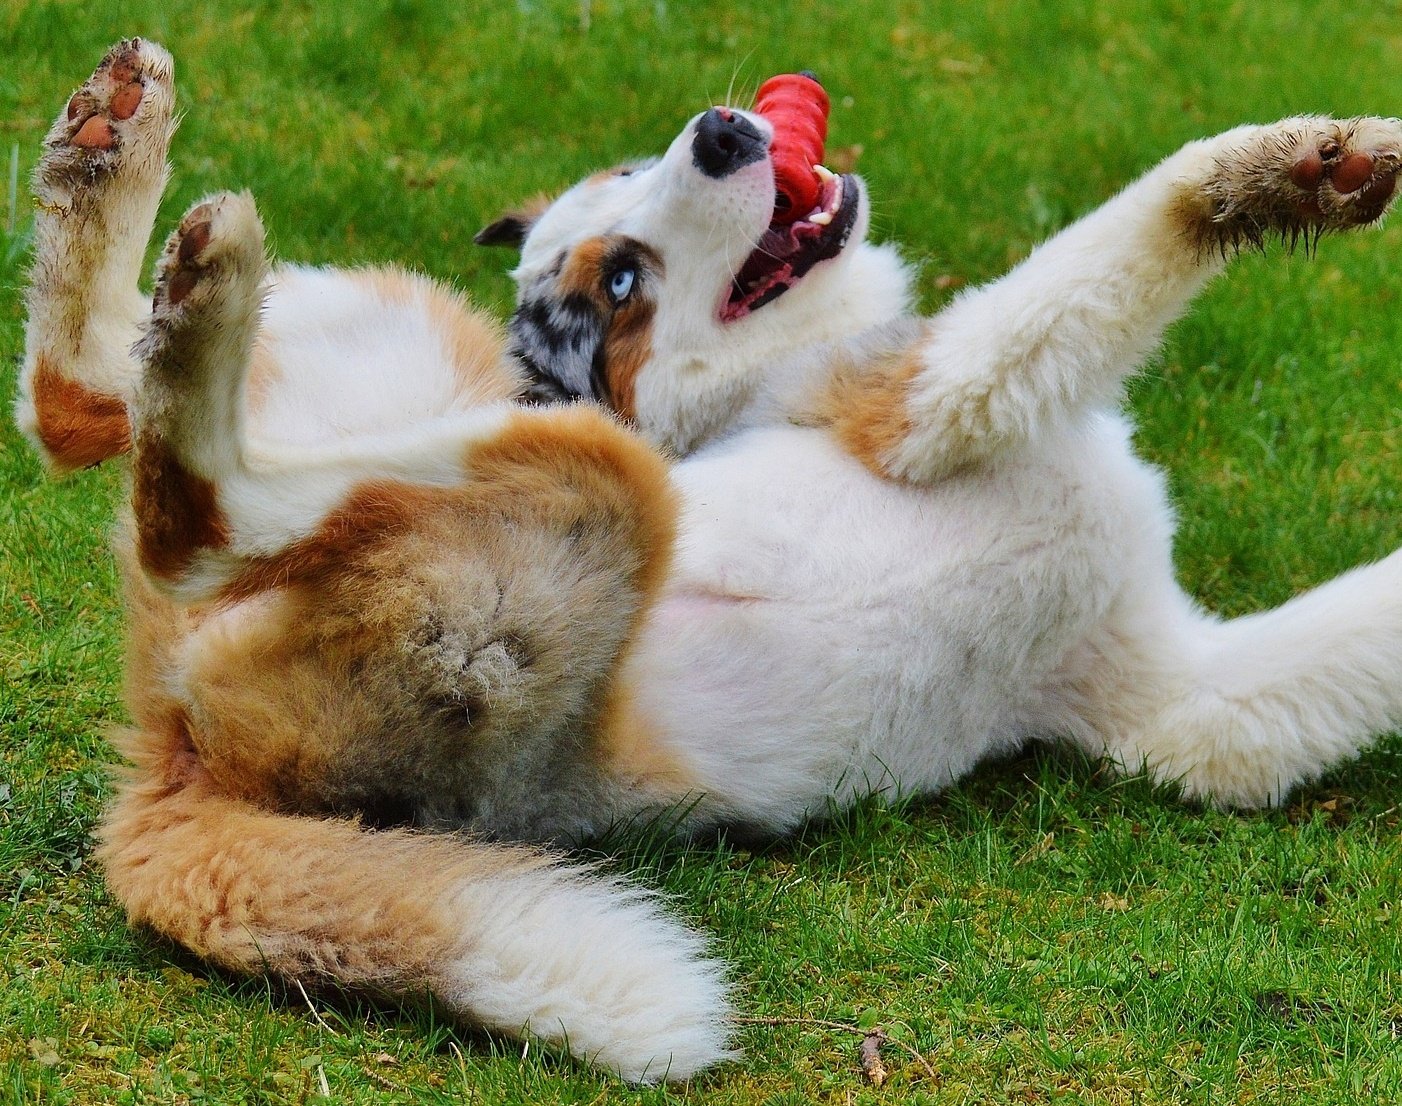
<point x="371" y="595"/>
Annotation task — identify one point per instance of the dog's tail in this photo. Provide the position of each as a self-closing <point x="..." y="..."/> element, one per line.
<point x="506" y="938"/>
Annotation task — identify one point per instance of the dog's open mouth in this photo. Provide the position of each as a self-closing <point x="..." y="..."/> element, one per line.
<point x="796" y="107"/>
<point x="787" y="251"/>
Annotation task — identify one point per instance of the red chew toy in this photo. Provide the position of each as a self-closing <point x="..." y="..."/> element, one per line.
<point x="797" y="107"/>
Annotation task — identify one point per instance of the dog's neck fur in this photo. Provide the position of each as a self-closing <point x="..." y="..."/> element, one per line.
<point x="701" y="385"/>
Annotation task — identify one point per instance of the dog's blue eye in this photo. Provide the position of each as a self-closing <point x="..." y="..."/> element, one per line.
<point x="621" y="285"/>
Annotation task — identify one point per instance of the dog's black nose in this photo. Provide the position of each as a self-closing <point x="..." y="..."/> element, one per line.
<point x="725" y="141"/>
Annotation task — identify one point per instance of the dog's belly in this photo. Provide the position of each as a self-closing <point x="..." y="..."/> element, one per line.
<point x="827" y="633"/>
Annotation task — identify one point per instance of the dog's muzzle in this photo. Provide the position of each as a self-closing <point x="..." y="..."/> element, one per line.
<point x="725" y="142"/>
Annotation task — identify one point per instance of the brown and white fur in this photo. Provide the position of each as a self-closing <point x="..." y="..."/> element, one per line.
<point x="367" y="588"/>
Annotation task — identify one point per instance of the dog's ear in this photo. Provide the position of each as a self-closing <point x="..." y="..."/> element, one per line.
<point x="511" y="229"/>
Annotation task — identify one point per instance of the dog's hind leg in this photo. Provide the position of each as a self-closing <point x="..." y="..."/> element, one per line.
<point x="501" y="937"/>
<point x="1241" y="711"/>
<point x="1063" y="330"/>
<point x="425" y="611"/>
<point x="98" y="185"/>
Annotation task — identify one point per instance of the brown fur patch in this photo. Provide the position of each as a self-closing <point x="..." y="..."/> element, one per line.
<point x="78" y="427"/>
<point x="633" y="755"/>
<point x="155" y="628"/>
<point x="627" y="343"/>
<point x="866" y="406"/>
<point x="578" y="448"/>
<point x="372" y="511"/>
<point x="581" y="272"/>
<point x="627" y="348"/>
<point x="579" y="452"/>
<point x="617" y="468"/>
<point x="333" y="677"/>
<point x="177" y="512"/>
<point x="324" y="677"/>
<point x="255" y="891"/>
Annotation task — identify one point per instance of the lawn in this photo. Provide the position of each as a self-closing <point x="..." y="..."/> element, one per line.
<point x="1040" y="933"/>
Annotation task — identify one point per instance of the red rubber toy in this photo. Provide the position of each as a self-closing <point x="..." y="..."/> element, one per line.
<point x="797" y="107"/>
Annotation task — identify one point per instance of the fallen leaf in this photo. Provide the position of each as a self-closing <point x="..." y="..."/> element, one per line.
<point x="44" y="1051"/>
<point x="1041" y="847"/>
<point x="872" y="1066"/>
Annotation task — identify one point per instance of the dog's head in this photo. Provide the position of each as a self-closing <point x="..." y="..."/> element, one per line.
<point x="663" y="287"/>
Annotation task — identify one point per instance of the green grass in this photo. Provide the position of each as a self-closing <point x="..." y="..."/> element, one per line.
<point x="1042" y="933"/>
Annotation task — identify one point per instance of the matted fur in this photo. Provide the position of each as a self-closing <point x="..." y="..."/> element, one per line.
<point x="367" y="590"/>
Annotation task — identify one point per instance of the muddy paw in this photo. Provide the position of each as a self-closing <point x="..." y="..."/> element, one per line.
<point x="218" y="243"/>
<point x="209" y="288"/>
<point x="1302" y="177"/>
<point x="118" y="123"/>
<point x="1348" y="177"/>
<point x="184" y="260"/>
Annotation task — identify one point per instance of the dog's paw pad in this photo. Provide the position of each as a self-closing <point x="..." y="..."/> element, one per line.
<point x="183" y="271"/>
<point x="1308" y="170"/>
<point x="96" y="133"/>
<point x="1346" y="178"/>
<point x="122" y="113"/>
<point x="1352" y="173"/>
<point x="195" y="231"/>
<point x="125" y="101"/>
<point x="218" y="237"/>
<point x="1300" y="178"/>
<point x="192" y="240"/>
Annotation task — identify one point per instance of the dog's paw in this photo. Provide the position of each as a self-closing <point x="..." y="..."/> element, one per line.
<point x="219" y="240"/>
<point x="209" y="287"/>
<point x="116" y="126"/>
<point x="1299" y="178"/>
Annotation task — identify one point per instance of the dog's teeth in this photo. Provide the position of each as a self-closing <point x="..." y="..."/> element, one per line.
<point x="822" y="218"/>
<point x="824" y="173"/>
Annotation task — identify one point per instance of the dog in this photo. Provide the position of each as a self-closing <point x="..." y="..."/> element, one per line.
<point x="826" y="547"/>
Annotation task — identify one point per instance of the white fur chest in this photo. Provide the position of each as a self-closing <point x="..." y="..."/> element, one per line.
<point x="827" y="632"/>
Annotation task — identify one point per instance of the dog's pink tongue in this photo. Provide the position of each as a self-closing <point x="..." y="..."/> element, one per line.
<point x="797" y="108"/>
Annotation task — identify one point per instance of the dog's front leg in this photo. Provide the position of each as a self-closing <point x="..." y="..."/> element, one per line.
<point x="219" y="515"/>
<point x="97" y="188"/>
<point x="1064" y="329"/>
